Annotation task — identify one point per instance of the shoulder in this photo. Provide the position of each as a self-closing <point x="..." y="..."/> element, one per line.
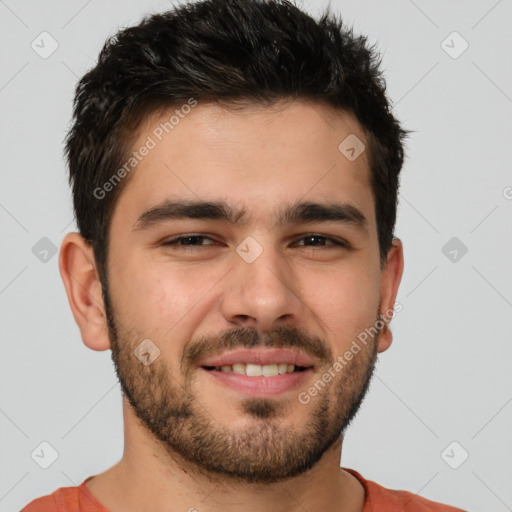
<point x="66" y="499"/>
<point x="48" y="503"/>
<point x="379" y="499"/>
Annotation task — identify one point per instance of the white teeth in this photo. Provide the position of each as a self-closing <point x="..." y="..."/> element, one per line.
<point x="239" y="368"/>
<point x="270" y="370"/>
<point x="258" y="370"/>
<point x="253" y="370"/>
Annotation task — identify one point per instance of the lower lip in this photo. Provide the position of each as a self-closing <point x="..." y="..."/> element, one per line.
<point x="260" y="386"/>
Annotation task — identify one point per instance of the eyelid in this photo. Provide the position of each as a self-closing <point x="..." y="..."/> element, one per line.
<point x="335" y="240"/>
<point x="177" y="238"/>
<point x="340" y="242"/>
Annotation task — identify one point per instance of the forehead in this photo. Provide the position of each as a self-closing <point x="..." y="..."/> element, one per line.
<point x="253" y="157"/>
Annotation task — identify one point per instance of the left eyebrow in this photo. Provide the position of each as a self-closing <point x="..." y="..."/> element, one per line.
<point x="304" y="212"/>
<point x="297" y="213"/>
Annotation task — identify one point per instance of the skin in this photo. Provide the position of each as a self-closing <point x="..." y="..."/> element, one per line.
<point x="180" y="298"/>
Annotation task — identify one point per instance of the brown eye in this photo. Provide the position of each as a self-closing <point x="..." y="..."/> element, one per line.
<point x="314" y="240"/>
<point x="188" y="241"/>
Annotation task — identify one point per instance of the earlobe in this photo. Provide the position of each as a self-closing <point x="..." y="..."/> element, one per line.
<point x="83" y="288"/>
<point x="390" y="281"/>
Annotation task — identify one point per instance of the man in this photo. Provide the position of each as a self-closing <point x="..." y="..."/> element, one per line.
<point x="235" y="170"/>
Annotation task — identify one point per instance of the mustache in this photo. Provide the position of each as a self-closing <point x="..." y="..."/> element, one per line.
<point x="247" y="337"/>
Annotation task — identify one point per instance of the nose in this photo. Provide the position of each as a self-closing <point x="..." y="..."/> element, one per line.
<point x="262" y="294"/>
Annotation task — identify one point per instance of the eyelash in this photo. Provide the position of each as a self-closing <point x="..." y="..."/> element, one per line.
<point x="176" y="241"/>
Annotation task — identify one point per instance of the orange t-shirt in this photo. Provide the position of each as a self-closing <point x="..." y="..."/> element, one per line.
<point x="378" y="499"/>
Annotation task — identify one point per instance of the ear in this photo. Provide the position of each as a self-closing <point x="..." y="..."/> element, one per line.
<point x="83" y="287"/>
<point x="391" y="276"/>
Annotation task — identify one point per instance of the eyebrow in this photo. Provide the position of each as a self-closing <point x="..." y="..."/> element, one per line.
<point x="296" y="213"/>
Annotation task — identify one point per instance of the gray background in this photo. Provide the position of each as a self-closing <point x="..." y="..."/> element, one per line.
<point x="447" y="376"/>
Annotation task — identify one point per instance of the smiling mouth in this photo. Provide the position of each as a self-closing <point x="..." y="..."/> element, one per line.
<point x="257" y="370"/>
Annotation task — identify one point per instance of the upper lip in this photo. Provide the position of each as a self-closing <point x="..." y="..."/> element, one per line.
<point x="259" y="356"/>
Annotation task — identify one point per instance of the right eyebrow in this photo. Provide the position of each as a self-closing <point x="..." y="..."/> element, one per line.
<point x="185" y="209"/>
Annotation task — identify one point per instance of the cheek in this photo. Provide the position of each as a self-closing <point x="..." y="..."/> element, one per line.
<point x="345" y="300"/>
<point x="158" y="299"/>
<point x="152" y="307"/>
<point x="155" y="302"/>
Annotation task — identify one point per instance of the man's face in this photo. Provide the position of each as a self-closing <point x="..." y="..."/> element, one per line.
<point x="259" y="283"/>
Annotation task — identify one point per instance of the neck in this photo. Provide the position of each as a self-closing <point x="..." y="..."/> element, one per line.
<point x="149" y="474"/>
